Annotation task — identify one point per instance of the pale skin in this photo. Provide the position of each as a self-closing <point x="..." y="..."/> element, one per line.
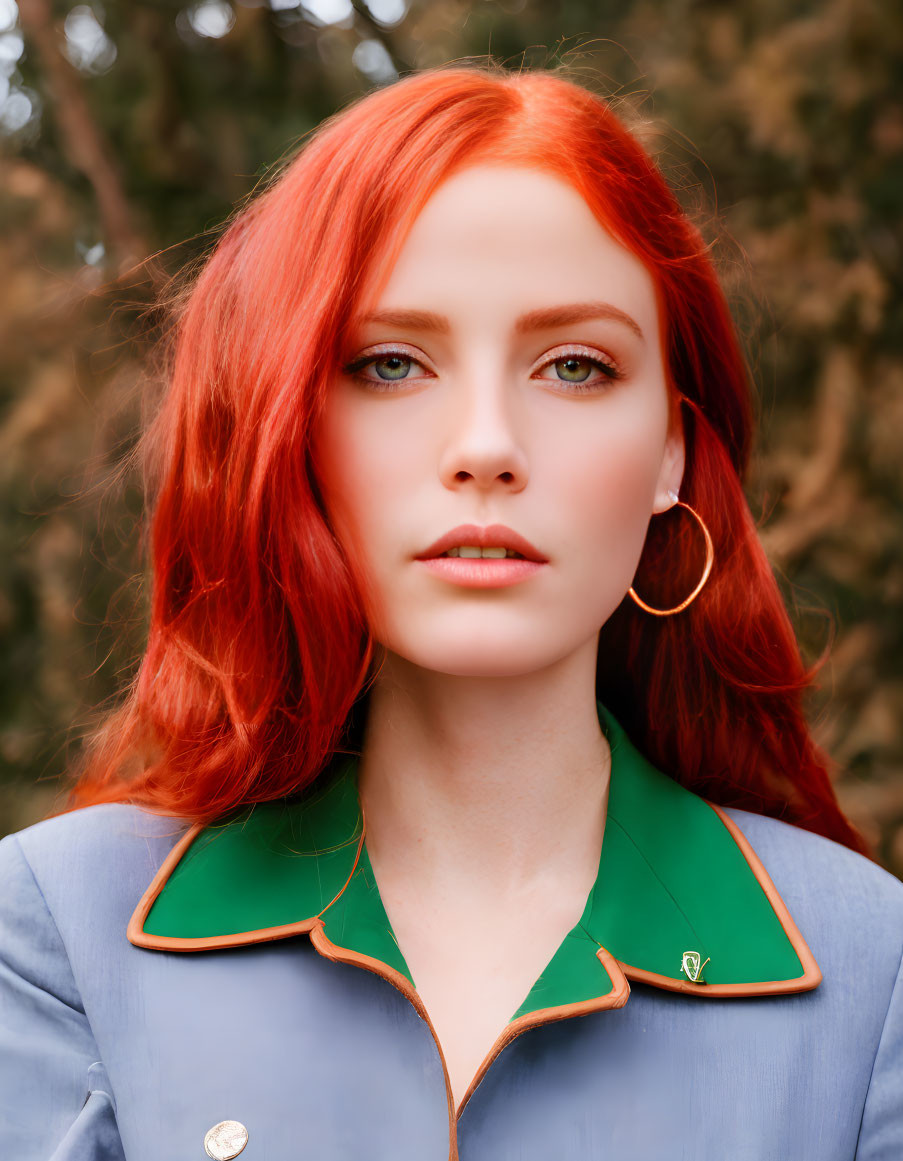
<point x="484" y="772"/>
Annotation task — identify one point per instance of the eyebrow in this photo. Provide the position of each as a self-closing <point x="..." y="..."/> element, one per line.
<point x="546" y="318"/>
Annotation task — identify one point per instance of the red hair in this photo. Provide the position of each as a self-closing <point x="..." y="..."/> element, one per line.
<point x="258" y="653"/>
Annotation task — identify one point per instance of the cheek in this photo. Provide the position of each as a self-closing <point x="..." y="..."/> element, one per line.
<point x="609" y="474"/>
<point x="605" y="481"/>
<point x="339" y="455"/>
<point x="365" y="471"/>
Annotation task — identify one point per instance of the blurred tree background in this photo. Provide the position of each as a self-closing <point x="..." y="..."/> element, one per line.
<point x="131" y="129"/>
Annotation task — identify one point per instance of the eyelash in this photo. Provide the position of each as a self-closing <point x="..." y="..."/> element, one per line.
<point x="611" y="370"/>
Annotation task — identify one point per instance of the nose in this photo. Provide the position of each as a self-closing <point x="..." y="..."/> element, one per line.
<point x="484" y="448"/>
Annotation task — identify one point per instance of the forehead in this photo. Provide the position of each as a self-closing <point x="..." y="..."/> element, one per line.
<point x="513" y="237"/>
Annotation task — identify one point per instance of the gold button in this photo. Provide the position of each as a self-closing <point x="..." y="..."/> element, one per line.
<point x="225" y="1140"/>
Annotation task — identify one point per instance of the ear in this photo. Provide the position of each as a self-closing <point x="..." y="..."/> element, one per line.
<point x="673" y="457"/>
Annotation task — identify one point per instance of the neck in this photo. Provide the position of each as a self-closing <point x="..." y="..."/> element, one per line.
<point x="470" y="781"/>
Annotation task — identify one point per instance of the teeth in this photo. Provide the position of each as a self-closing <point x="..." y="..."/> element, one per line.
<point x="473" y="552"/>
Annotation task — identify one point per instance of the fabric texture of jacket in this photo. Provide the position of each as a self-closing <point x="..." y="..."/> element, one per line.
<point x="731" y="993"/>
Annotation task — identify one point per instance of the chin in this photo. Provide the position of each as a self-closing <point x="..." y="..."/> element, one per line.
<point x="480" y="658"/>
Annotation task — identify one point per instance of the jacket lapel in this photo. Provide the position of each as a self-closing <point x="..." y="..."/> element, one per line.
<point x="680" y="901"/>
<point x="679" y="887"/>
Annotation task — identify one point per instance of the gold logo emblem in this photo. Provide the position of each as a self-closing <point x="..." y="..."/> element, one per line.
<point x="225" y="1140"/>
<point x="691" y="965"/>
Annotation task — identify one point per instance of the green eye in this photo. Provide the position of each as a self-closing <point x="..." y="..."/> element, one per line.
<point x="392" y="367"/>
<point x="578" y="367"/>
<point x="573" y="370"/>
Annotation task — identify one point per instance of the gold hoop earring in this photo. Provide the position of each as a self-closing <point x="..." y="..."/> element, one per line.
<point x="709" y="560"/>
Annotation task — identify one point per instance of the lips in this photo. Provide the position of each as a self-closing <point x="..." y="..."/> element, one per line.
<point x="492" y="536"/>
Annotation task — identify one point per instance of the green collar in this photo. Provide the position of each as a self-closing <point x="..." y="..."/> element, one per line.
<point x="676" y="876"/>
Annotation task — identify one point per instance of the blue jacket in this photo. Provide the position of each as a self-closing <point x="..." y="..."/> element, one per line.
<point x="731" y="993"/>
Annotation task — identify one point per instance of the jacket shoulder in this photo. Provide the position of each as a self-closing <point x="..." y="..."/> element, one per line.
<point x="818" y="863"/>
<point x="106" y="819"/>
<point x="849" y="909"/>
<point x="108" y="833"/>
<point x="91" y="865"/>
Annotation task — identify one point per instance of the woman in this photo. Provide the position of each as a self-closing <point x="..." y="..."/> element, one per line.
<point x="468" y="320"/>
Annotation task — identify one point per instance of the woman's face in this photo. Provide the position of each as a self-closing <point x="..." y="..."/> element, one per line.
<point x="510" y="373"/>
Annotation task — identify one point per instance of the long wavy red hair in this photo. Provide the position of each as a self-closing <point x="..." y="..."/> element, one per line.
<point x="258" y="657"/>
